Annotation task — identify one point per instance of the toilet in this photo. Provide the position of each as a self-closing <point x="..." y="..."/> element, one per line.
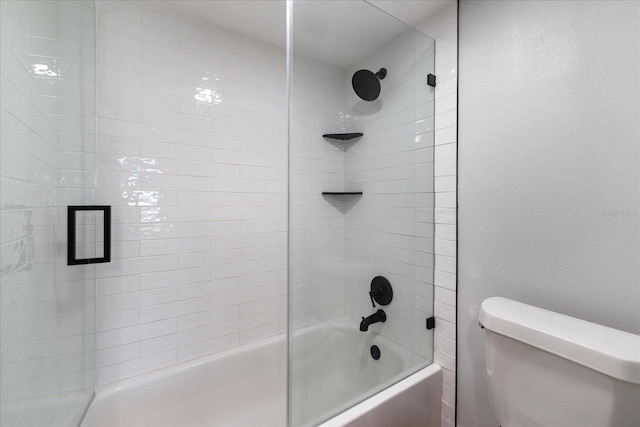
<point x="548" y="369"/>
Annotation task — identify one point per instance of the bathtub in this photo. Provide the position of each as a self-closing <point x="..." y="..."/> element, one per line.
<point x="208" y="392"/>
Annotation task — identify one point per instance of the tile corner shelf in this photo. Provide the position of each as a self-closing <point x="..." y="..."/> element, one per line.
<point x="342" y="136"/>
<point x="342" y="193"/>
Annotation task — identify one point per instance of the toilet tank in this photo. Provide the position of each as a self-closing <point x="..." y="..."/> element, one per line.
<point x="548" y="369"/>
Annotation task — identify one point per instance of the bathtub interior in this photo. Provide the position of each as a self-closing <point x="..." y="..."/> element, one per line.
<point x="207" y="391"/>
<point x="333" y="369"/>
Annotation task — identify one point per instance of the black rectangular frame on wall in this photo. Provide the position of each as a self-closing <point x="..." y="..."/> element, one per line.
<point x="71" y="235"/>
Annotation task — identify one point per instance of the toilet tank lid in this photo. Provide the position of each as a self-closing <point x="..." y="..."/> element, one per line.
<point x="610" y="351"/>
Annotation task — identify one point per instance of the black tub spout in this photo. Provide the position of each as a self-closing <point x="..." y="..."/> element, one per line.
<point x="378" y="316"/>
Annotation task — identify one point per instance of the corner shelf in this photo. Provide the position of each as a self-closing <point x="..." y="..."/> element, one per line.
<point x="343" y="136"/>
<point x="342" y="193"/>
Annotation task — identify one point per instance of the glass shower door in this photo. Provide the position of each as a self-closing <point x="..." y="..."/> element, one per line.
<point x="360" y="205"/>
<point x="47" y="153"/>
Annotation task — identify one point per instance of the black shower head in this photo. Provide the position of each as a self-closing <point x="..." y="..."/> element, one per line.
<point x="366" y="84"/>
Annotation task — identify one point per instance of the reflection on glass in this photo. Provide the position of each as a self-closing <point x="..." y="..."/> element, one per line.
<point x="43" y="70"/>
<point x="142" y="198"/>
<point x="208" y="95"/>
<point x="150" y="215"/>
<point x="140" y="164"/>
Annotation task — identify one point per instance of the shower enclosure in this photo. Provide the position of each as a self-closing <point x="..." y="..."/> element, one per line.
<point x="191" y="151"/>
<point x="48" y="163"/>
<point x="360" y="205"/>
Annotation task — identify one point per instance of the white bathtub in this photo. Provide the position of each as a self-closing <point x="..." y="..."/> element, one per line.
<point x="247" y="387"/>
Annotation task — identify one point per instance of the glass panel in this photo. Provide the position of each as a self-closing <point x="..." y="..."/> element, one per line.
<point x="383" y="223"/>
<point x="48" y="162"/>
<point x="89" y="234"/>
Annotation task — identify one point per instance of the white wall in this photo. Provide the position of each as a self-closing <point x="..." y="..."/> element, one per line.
<point x="549" y="168"/>
<point x="192" y="155"/>
<point x="443" y="28"/>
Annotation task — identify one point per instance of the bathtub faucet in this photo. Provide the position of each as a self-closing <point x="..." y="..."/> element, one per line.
<point x="378" y="316"/>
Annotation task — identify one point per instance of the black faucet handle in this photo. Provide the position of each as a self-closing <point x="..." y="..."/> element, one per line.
<point x="381" y="291"/>
<point x="372" y="300"/>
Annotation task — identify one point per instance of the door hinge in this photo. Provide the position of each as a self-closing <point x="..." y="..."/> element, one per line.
<point x="431" y="322"/>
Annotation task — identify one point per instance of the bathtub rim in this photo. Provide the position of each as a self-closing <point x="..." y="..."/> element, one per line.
<point x="352" y="414"/>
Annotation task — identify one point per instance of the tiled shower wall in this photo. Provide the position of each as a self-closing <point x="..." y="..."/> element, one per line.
<point x="192" y="155"/>
<point x="48" y="143"/>
<point x="389" y="232"/>
<point x="194" y="162"/>
<point x="316" y="165"/>
<point x="443" y="27"/>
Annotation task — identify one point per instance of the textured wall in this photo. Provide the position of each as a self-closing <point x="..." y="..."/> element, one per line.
<point x="192" y="154"/>
<point x="548" y="168"/>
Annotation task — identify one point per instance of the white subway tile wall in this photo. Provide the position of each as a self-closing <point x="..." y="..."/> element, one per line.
<point x="316" y="165"/>
<point x="443" y="27"/>
<point x="47" y="154"/>
<point x="192" y="154"/>
<point x="389" y="231"/>
<point x="194" y="162"/>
